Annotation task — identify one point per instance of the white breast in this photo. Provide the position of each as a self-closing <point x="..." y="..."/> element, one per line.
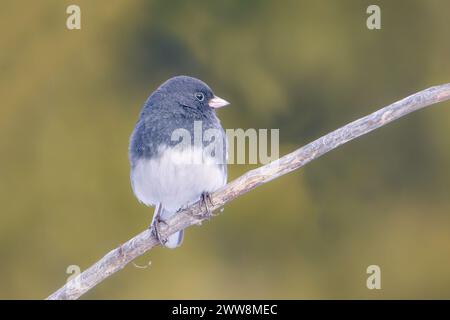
<point x="176" y="178"/>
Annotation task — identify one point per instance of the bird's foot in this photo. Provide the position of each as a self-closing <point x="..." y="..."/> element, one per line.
<point x="206" y="201"/>
<point x="155" y="228"/>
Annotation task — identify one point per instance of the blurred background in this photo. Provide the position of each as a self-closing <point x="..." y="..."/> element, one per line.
<point x="70" y="99"/>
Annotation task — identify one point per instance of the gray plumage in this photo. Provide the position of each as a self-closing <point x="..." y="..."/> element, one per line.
<point x="162" y="171"/>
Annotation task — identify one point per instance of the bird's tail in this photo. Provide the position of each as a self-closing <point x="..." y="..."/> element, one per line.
<point x="176" y="239"/>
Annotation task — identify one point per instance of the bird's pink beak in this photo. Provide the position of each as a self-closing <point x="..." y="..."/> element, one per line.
<point x="217" y="102"/>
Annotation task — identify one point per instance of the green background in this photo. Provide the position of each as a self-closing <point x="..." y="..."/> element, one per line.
<point x="70" y="99"/>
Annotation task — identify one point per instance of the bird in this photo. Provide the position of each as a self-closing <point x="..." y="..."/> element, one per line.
<point x="178" y="150"/>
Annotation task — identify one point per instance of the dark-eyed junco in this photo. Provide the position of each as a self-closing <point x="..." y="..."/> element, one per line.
<point x="178" y="150"/>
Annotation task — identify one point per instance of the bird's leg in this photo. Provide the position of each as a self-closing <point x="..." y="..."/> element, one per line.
<point x="156" y="230"/>
<point x="155" y="226"/>
<point x="206" y="197"/>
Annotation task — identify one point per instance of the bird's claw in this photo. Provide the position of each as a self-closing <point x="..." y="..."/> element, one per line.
<point x="156" y="230"/>
<point x="205" y="198"/>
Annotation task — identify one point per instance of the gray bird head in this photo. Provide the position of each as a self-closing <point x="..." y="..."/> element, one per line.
<point x="179" y="103"/>
<point x="190" y="94"/>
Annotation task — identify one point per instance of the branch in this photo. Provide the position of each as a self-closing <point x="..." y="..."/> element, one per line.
<point x="118" y="258"/>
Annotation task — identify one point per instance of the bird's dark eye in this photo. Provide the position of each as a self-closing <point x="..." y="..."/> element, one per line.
<point x="199" y="96"/>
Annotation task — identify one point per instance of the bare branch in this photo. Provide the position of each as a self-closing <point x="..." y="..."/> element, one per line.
<point x="143" y="242"/>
